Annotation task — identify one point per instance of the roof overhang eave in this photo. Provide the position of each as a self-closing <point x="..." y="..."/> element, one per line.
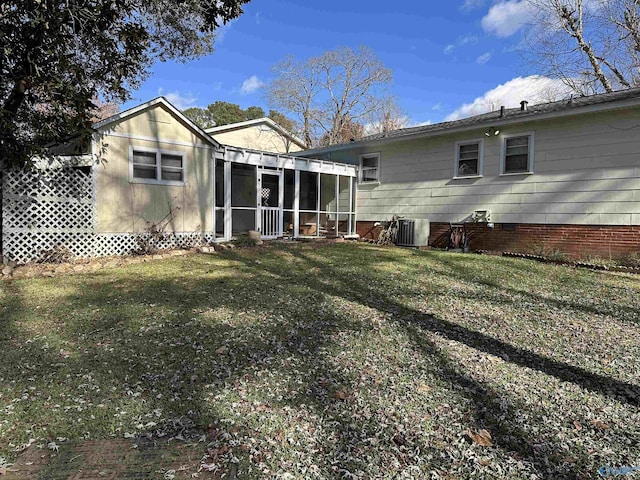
<point x="497" y="122"/>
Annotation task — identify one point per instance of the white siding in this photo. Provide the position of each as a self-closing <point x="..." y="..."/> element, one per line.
<point x="586" y="171"/>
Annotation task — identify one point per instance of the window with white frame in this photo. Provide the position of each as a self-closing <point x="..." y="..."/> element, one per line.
<point x="157" y="166"/>
<point x="517" y="154"/>
<point x="370" y="168"/>
<point x="468" y="158"/>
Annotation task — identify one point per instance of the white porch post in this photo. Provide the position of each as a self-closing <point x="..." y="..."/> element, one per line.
<point x="337" y="207"/>
<point x="296" y="204"/>
<point x="259" y="198"/>
<point x="227" y="201"/>
<point x="318" y="187"/>
<point x="351" y="204"/>
<point x="281" y="204"/>
<point x="213" y="182"/>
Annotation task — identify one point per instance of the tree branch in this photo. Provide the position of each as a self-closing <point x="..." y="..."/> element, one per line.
<point x="574" y="26"/>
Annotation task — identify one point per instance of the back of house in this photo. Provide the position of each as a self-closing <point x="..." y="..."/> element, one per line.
<point x="562" y="176"/>
<point x="559" y="176"/>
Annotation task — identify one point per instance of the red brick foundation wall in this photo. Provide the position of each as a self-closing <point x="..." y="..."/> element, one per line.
<point x="576" y="241"/>
<point x="368" y="230"/>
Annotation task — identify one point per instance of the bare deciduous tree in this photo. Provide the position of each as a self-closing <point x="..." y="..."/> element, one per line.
<point x="591" y="45"/>
<point x="326" y="92"/>
<point x="387" y="118"/>
<point x="350" y="131"/>
<point x="295" y="90"/>
<point x="103" y="109"/>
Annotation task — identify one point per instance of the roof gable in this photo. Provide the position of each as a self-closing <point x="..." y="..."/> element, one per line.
<point x="257" y="122"/>
<point x="158" y="102"/>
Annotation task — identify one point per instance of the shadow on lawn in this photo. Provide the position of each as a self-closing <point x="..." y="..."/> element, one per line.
<point x="153" y="338"/>
<point x="492" y="409"/>
<point x="458" y="269"/>
<point x="594" y="382"/>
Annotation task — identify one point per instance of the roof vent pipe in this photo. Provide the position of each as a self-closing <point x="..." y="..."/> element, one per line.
<point x="502" y="111"/>
<point x="523" y="105"/>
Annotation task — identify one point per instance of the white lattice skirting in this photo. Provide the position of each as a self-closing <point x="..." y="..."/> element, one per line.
<point x="25" y="247"/>
<point x="55" y="208"/>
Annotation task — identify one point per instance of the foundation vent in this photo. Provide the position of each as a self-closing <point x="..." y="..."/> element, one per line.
<point x="482" y="216"/>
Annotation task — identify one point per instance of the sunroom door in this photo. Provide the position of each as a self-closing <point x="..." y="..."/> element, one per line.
<point x="270" y="200"/>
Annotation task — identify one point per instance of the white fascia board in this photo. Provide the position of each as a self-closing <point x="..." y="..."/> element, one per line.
<point x="265" y="159"/>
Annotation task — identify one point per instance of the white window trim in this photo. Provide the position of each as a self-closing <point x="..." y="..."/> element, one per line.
<point x="503" y="152"/>
<point x="480" y="142"/>
<point x="369" y="182"/>
<point x="157" y="180"/>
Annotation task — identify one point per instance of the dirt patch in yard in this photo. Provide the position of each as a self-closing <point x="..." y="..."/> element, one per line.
<point x="109" y="459"/>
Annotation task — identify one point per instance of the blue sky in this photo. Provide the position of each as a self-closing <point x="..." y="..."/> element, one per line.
<point x="449" y="59"/>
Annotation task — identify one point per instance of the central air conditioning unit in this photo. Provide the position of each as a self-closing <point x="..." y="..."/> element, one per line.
<point x="413" y="233"/>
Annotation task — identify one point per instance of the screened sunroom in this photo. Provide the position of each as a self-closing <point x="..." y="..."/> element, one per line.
<point x="282" y="196"/>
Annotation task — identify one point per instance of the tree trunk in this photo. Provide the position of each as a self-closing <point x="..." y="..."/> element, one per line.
<point x="574" y="26"/>
<point x="307" y="129"/>
<point x="16" y="97"/>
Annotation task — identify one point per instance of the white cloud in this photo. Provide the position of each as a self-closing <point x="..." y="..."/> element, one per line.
<point x="461" y="42"/>
<point x="180" y="100"/>
<point x="534" y="89"/>
<point x="506" y="17"/>
<point x="251" y="85"/>
<point x="484" y="58"/>
<point x="467" y="39"/>
<point x="437" y="107"/>
<point x="470" y="5"/>
<point x="422" y="124"/>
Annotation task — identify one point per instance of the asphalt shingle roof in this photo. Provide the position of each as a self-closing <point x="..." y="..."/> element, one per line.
<point x="510" y="113"/>
<point x="489" y="118"/>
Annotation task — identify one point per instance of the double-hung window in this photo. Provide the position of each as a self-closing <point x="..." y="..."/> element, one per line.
<point x="517" y="154"/>
<point x="157" y="166"/>
<point x="468" y="158"/>
<point x="370" y="168"/>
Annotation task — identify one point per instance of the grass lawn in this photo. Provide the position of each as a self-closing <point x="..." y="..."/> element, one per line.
<point x="336" y="361"/>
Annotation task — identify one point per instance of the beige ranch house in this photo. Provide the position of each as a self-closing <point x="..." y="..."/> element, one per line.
<point x="558" y="176"/>
<point x="153" y="176"/>
<point x="158" y="163"/>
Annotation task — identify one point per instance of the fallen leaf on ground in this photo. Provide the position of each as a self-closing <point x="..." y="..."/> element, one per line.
<point x="341" y="395"/>
<point x="424" y="388"/>
<point x="482" y="437"/>
<point x="599" y="424"/>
